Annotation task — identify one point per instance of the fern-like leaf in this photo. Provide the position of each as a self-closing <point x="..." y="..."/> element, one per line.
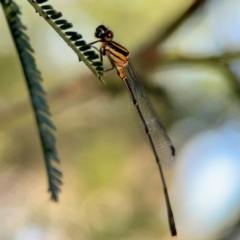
<point x="37" y="95"/>
<point x="72" y="38"/>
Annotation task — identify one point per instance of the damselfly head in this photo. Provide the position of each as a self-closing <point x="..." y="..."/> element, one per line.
<point x="103" y="33"/>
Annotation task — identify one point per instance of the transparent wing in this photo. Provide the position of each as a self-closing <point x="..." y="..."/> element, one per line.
<point x="155" y="132"/>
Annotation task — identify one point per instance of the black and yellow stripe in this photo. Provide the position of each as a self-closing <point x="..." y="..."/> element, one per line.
<point x="118" y="48"/>
<point x="117" y="53"/>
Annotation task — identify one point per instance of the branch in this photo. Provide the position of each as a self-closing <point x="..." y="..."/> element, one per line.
<point x="222" y="62"/>
<point x="149" y="55"/>
<point x="37" y="95"/>
<point x="70" y="37"/>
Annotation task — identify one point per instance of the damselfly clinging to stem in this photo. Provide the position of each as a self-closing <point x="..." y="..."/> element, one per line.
<point x="159" y="141"/>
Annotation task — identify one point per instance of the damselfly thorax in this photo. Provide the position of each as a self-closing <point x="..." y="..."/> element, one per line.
<point x="118" y="56"/>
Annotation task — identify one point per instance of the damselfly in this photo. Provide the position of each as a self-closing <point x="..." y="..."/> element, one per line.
<point x="158" y="139"/>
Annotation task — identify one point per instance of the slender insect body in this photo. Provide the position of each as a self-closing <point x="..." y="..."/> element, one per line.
<point x="158" y="139"/>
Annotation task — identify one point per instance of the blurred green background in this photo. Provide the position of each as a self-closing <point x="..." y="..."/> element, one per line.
<point x="187" y="54"/>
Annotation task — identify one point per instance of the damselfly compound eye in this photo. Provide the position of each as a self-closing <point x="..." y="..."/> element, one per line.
<point x="108" y="36"/>
<point x="100" y="31"/>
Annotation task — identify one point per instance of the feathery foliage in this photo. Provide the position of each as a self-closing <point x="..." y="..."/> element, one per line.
<point x="37" y="95"/>
<point x="72" y="38"/>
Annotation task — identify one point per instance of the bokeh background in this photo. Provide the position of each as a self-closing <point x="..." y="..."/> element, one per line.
<point x="187" y="54"/>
